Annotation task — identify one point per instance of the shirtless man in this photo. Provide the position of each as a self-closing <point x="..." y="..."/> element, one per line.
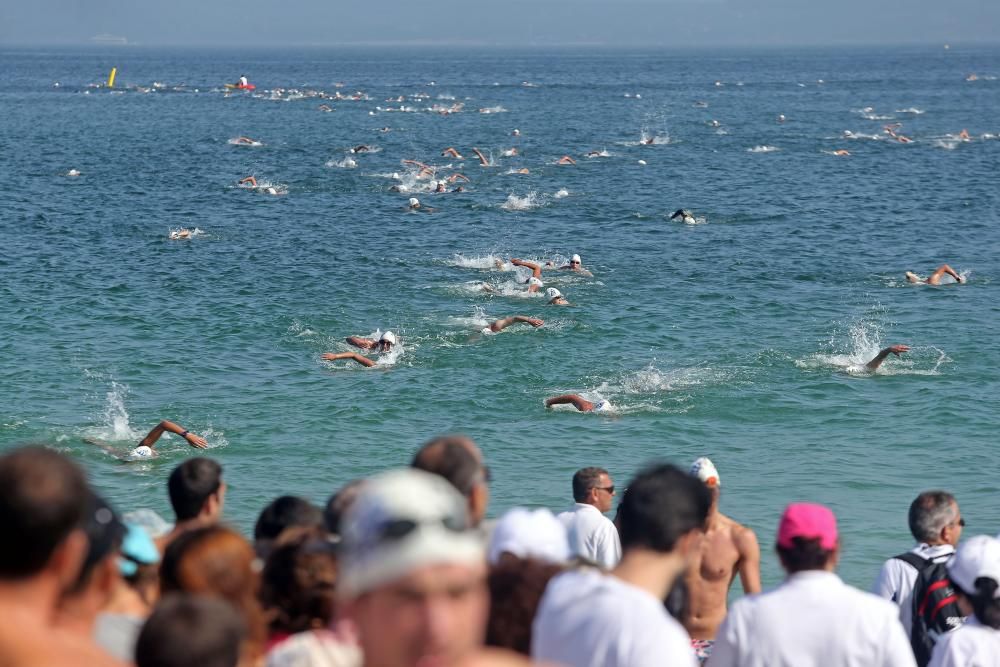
<point x="244" y="141"/>
<point x="555" y="297"/>
<point x="535" y="282"/>
<point x="727" y="549"/>
<point x="501" y="324"/>
<point x="383" y="346"/>
<point x="145" y="448"/>
<point x="881" y="356"/>
<point x="452" y="153"/>
<point x="565" y="159"/>
<point x="580" y="403"/>
<point x="934" y="278"/>
<point x="576" y="265"/>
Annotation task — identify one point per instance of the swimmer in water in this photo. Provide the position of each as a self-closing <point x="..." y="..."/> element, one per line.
<point x="580" y="403"/>
<point x="73" y="172"/>
<point x="555" y="298"/>
<point x="576" y="265"/>
<point x="361" y="148"/>
<point x="415" y="205"/>
<point x="685" y="215"/>
<point x="842" y="152"/>
<point x="964" y="135"/>
<point x="382" y="346"/>
<point x="244" y="141"/>
<point x="456" y="176"/>
<point x="179" y="234"/>
<point x="325" y="107"/>
<point x="934" y="278"/>
<point x="503" y="323"/>
<point x="535" y="282"/>
<point x="482" y="158"/>
<point x="249" y="180"/>
<point x="646" y="141"/>
<point x="565" y="159"/>
<point x="522" y="170"/>
<point x="881" y="356"/>
<point x="146" y="447"/>
<point x="451" y="152"/>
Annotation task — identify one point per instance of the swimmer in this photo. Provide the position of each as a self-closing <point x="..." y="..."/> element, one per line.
<point x="685" y="215"/>
<point x="325" y="107"/>
<point x="73" y="172"/>
<point x="425" y="171"/>
<point x="451" y="152"/>
<point x="249" y="180"/>
<point x="714" y="123"/>
<point x="482" y="158"/>
<point x="555" y="297"/>
<point x="361" y="148"/>
<point x="565" y="159"/>
<point x="575" y="264"/>
<point x="385" y="129"/>
<point x="646" y="141"/>
<point x="934" y="278"/>
<point x="881" y="356"/>
<point x="382" y="346"/>
<point x="440" y="187"/>
<point x="580" y="403"/>
<point x="522" y="170"/>
<point x="146" y="447"/>
<point x="515" y="133"/>
<point x="510" y="152"/>
<point x="456" y="176"/>
<point x="244" y="141"/>
<point x="179" y="234"/>
<point x="415" y="205"/>
<point x="781" y="118"/>
<point x="843" y="152"/>
<point x="964" y="135"/>
<point x="503" y="323"/>
<point x="535" y="282"/>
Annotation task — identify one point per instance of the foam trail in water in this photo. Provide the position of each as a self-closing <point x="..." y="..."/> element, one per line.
<point x="494" y="262"/>
<point x="526" y="203"/>
<point x="763" y="149"/>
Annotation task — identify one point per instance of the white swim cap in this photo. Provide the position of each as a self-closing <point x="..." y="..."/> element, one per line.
<point x="576" y="258"/>
<point x="535" y="281"/>
<point x="552" y="293"/>
<point x="142" y="452"/>
<point x="414" y="202"/>
<point x="388" y="337"/>
<point x="272" y="191"/>
<point x="704" y="469"/>
<point x="642" y="162"/>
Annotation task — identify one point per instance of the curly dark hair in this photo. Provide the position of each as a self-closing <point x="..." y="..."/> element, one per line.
<point x="299" y="581"/>
<point x="516" y="588"/>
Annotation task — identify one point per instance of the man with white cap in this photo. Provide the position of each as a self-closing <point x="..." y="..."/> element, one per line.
<point x="813" y="618"/>
<point x="591" y="534"/>
<point x="555" y="298"/>
<point x="728" y="549"/>
<point x="523" y="533"/>
<point x="975" y="574"/>
<point x="382" y="345"/>
<point x="413" y="573"/>
<point x="576" y="265"/>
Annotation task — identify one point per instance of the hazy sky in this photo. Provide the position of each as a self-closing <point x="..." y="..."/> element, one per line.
<point x="502" y="22"/>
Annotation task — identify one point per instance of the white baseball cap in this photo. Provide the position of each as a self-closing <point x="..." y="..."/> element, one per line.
<point x="704" y="469"/>
<point x="404" y="520"/>
<point x="414" y="202"/>
<point x="576" y="258"/>
<point x="530" y="534"/>
<point x="977" y="557"/>
<point x="388" y="337"/>
<point x="552" y="293"/>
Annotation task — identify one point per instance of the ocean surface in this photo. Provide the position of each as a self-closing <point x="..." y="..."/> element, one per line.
<point x="737" y="337"/>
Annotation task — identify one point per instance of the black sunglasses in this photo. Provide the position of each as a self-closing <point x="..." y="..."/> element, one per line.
<point x="609" y="489"/>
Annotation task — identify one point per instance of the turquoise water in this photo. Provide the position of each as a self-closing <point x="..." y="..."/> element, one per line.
<point x="731" y="338"/>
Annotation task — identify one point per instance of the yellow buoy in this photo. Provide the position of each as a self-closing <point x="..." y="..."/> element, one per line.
<point x="111" y="77"/>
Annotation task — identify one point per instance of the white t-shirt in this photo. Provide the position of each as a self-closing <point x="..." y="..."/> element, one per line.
<point x="812" y="620"/>
<point x="590" y="619"/>
<point x="896" y="580"/>
<point x="592" y="535"/>
<point x="972" y="645"/>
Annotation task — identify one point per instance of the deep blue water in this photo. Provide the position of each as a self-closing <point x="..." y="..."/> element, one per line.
<point x="731" y="338"/>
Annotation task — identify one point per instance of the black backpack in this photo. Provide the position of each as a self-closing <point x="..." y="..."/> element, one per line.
<point x="935" y="606"/>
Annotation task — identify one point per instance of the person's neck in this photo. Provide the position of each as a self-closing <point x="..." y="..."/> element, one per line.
<point x="126" y="601"/>
<point x="77" y="615"/>
<point x="35" y="596"/>
<point x="938" y="543"/>
<point x="651" y="571"/>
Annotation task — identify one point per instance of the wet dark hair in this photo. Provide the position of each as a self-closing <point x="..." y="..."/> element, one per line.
<point x="516" y="589"/>
<point x="451" y="457"/>
<point x="284" y="512"/>
<point x="43" y="496"/>
<point x="984" y="605"/>
<point x="662" y="504"/>
<point x="188" y="630"/>
<point x="105" y="533"/>
<point x="191" y="484"/>
<point x="805" y="554"/>
<point x="299" y="581"/>
<point x="584" y="480"/>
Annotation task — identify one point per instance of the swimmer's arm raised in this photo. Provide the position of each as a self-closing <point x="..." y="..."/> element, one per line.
<point x="150" y="440"/>
<point x="358" y="341"/>
<point x="334" y="356"/>
<point x="502" y="324"/>
<point x="536" y="270"/>
<point x="580" y="404"/>
<point x="881" y="356"/>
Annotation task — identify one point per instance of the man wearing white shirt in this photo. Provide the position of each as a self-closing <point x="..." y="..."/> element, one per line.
<point x="936" y="524"/>
<point x="592" y="536"/>
<point x="813" y="619"/>
<point x="587" y="618"/>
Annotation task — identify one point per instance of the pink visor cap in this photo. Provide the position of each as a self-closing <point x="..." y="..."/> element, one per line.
<point x="808" y="521"/>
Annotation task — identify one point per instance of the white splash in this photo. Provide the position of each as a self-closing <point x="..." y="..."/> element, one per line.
<point x="526" y="203"/>
<point x="763" y="149"/>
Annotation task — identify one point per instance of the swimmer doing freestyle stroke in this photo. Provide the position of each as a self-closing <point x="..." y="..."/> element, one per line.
<point x="381" y="346"/>
<point x="145" y="448"/>
<point x="934" y="278"/>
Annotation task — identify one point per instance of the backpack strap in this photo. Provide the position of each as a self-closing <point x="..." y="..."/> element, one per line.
<point x="918" y="562"/>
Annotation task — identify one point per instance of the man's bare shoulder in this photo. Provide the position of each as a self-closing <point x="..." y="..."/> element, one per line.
<point x="27" y="644"/>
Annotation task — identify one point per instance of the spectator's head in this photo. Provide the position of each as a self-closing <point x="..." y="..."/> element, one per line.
<point x="299" y="581"/>
<point x="935" y="518"/>
<point x="522" y="533"/>
<point x="516" y="589"/>
<point x="975" y="573"/>
<point x="281" y="513"/>
<point x="186" y="630"/>
<point x="413" y="574"/>
<point x="704" y="470"/>
<point x="216" y="561"/>
<point x="338" y="504"/>
<point x="808" y="538"/>
<point x="197" y="490"/>
<point x="458" y="460"/>
<point x="593" y="486"/>
<point x="43" y="497"/>
<point x="98" y="577"/>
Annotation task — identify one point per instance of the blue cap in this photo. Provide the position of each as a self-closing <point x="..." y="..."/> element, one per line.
<point x="137" y="549"/>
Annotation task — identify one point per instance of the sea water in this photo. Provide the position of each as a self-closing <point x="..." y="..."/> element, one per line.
<point x="738" y="338"/>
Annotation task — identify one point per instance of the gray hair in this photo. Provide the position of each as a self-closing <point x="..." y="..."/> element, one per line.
<point x="930" y="513"/>
<point x="584" y="480"/>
